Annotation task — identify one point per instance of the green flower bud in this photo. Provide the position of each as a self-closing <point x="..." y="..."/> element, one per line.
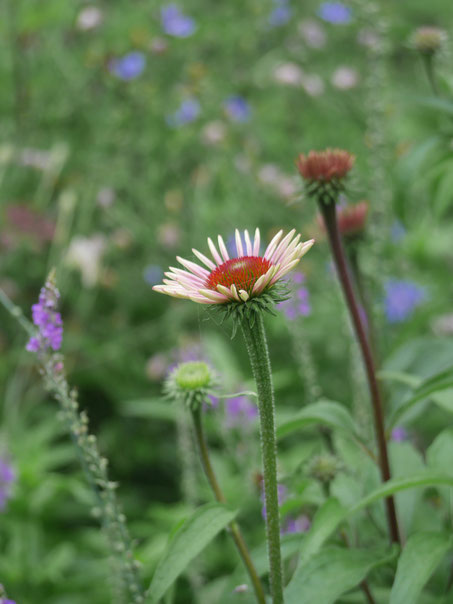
<point x="324" y="467"/>
<point x="190" y="383"/>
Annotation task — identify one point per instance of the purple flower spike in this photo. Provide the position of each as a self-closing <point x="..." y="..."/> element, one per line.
<point x="301" y="524"/>
<point x="129" y="67"/>
<point x="7" y="479"/>
<point x="401" y="299"/>
<point x="335" y="12"/>
<point x="47" y="320"/>
<point x="175" y="23"/>
<point x="237" y="109"/>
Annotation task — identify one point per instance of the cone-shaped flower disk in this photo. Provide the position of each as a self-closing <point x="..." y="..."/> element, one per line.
<point x="238" y="279"/>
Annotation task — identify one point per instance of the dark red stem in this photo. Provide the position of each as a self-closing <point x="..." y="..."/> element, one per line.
<point x="336" y="246"/>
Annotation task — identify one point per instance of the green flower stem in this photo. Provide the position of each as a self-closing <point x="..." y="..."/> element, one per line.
<point x="428" y="64"/>
<point x="256" y="342"/>
<point x="330" y="220"/>
<point x="234" y="528"/>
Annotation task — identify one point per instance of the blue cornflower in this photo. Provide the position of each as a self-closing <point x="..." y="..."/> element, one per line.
<point x="237" y="109"/>
<point x="401" y="299"/>
<point x="280" y="15"/>
<point x="335" y="12"/>
<point x="175" y="23"/>
<point x="187" y="112"/>
<point x="128" y="67"/>
<point x="47" y="320"/>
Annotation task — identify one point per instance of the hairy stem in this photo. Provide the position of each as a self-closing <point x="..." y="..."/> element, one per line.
<point x="255" y="339"/>
<point x="330" y="220"/>
<point x="234" y="528"/>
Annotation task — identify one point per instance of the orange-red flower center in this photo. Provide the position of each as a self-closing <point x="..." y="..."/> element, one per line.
<point x="242" y="272"/>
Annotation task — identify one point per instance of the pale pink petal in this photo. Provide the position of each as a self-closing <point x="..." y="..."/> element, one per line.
<point x="243" y="295"/>
<point x="225" y="291"/>
<point x="214" y="252"/>
<point x="283" y="270"/>
<point x="209" y="263"/>
<point x="256" y="243"/>
<point x="239" y="248"/>
<point x="213" y="295"/>
<point x="234" y="292"/>
<point x="222" y="248"/>
<point x="272" y="245"/>
<point x="194" y="268"/>
<point x="282" y="245"/>
<point x="285" y="253"/>
<point x="248" y="243"/>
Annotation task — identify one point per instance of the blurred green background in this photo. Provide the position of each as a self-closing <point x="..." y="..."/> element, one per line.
<point x="132" y="131"/>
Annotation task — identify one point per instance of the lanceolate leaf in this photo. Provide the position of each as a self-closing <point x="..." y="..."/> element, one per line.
<point x="327" y="413"/>
<point x="187" y="542"/>
<point x="332" y="572"/>
<point x="421" y="555"/>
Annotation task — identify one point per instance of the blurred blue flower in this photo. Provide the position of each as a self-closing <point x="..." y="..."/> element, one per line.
<point x="187" y="112"/>
<point x="237" y="108"/>
<point x="292" y="525"/>
<point x="281" y="14"/>
<point x="399" y="434"/>
<point x="240" y="410"/>
<point x="152" y="274"/>
<point x="401" y="299"/>
<point x="398" y="231"/>
<point x="335" y="12"/>
<point x="7" y="478"/>
<point x="129" y="67"/>
<point x="299" y="303"/>
<point x="175" y="23"/>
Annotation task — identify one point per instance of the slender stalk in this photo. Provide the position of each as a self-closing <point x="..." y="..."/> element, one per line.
<point x="428" y="64"/>
<point x="330" y="220"/>
<point x="256" y="342"/>
<point x="234" y="528"/>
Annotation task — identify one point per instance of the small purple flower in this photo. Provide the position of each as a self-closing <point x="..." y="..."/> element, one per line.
<point x="175" y="23"/>
<point x="47" y="320"/>
<point x="292" y="525"/>
<point x="187" y="112"/>
<point x="6" y="601"/>
<point x="299" y="303"/>
<point x="335" y="12"/>
<point x="280" y="15"/>
<point x="399" y="434"/>
<point x="237" y="109"/>
<point x="401" y="299"/>
<point x="7" y="478"/>
<point x="152" y="274"/>
<point x="128" y="67"/>
<point x="240" y="410"/>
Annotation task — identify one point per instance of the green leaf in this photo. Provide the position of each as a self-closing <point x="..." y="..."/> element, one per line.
<point x="332" y="572"/>
<point x="186" y="543"/>
<point x="440" y="105"/>
<point x="323" y="412"/>
<point x="150" y="408"/>
<point x="421" y="555"/>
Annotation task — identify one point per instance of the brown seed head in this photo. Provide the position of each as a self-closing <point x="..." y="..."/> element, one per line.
<point x="325" y="166"/>
<point x="428" y="39"/>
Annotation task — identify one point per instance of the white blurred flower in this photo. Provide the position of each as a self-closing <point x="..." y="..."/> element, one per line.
<point x="213" y="133"/>
<point x="169" y="235"/>
<point x="368" y="38"/>
<point x="312" y="33"/>
<point x="289" y="74"/>
<point x="105" y="197"/>
<point x="268" y="174"/>
<point x="313" y="84"/>
<point x="85" y="254"/>
<point x="36" y="158"/>
<point x="287" y="186"/>
<point x="88" y="18"/>
<point x="345" y="78"/>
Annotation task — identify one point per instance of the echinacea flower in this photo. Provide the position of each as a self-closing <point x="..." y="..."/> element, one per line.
<point x="238" y="279"/>
<point x="325" y="166"/>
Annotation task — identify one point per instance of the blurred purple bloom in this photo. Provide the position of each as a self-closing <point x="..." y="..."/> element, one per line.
<point x="175" y="23"/>
<point x="280" y="15"/>
<point x="334" y="12"/>
<point x="187" y="112"/>
<point x="7" y="478"/>
<point x="129" y="67"/>
<point x="47" y="320"/>
<point x="237" y="108"/>
<point x="398" y="231"/>
<point x="401" y="299"/>
<point x="301" y="524"/>
<point x="399" y="434"/>
<point x="152" y="274"/>
<point x="6" y="601"/>
<point x="299" y="303"/>
<point x="240" y="410"/>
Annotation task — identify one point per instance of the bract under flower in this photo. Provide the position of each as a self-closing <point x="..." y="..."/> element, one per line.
<point x="235" y="279"/>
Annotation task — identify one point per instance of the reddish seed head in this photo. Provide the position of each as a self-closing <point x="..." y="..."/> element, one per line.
<point x="241" y="272"/>
<point x="325" y="166"/>
<point x="351" y="218"/>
